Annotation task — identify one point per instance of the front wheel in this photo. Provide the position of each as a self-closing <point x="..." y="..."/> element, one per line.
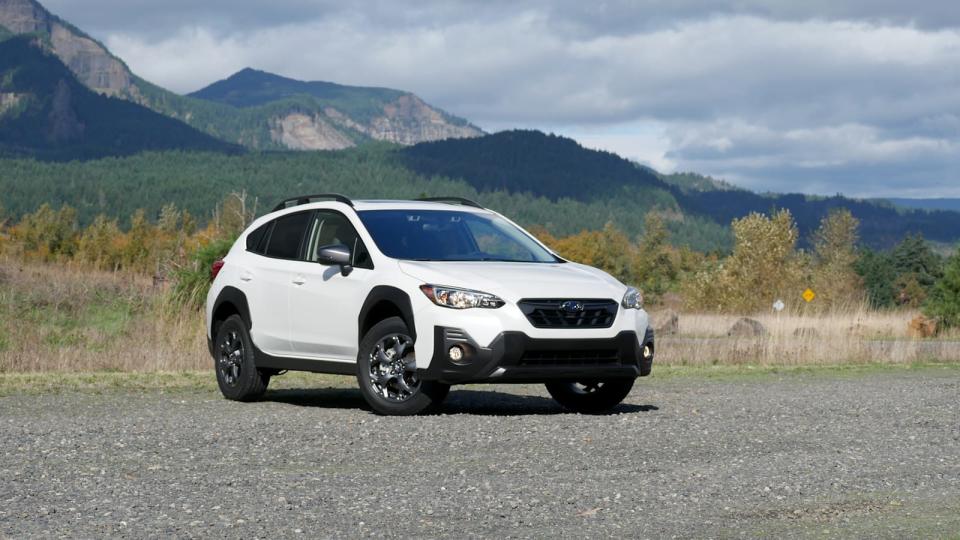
<point x="590" y="396"/>
<point x="387" y="372"/>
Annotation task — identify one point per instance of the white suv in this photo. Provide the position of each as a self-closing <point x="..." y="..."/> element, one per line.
<point x="414" y="296"/>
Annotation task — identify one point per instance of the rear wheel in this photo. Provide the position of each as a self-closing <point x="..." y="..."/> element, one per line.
<point x="590" y="396"/>
<point x="237" y="374"/>
<point x="387" y="374"/>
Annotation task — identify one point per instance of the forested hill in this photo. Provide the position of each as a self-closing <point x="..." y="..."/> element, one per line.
<point x="556" y="167"/>
<point x="45" y="112"/>
<point x="531" y="161"/>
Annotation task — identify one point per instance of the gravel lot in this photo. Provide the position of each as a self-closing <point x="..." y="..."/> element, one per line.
<point x="874" y="454"/>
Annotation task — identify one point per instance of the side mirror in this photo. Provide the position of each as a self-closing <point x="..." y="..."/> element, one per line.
<point x="336" y="254"/>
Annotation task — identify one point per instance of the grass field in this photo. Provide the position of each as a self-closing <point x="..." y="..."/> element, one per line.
<point x="59" y="319"/>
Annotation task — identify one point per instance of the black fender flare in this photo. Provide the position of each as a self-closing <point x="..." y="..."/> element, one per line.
<point x="236" y="298"/>
<point x="392" y="295"/>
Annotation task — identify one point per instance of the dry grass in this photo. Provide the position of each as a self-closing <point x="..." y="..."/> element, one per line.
<point x="58" y="319"/>
<point x="852" y="335"/>
<point x="54" y="318"/>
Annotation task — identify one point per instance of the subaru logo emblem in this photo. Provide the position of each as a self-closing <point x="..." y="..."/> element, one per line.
<point x="571" y="306"/>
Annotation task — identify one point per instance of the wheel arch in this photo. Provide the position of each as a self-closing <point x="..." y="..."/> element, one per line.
<point x="384" y="302"/>
<point x="230" y="301"/>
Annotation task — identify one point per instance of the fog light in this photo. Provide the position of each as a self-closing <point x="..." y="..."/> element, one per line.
<point x="456" y="353"/>
<point x="647" y="352"/>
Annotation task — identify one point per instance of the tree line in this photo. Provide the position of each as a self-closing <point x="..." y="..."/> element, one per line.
<point x="764" y="265"/>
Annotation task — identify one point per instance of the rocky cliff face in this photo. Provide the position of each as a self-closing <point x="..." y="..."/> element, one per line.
<point x="298" y="131"/>
<point x="24" y="16"/>
<point x="93" y="65"/>
<point x="406" y="120"/>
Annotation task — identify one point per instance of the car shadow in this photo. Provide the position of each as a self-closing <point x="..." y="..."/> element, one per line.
<point x="460" y="401"/>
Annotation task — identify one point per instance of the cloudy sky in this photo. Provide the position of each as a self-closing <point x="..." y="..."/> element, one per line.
<point x="821" y="96"/>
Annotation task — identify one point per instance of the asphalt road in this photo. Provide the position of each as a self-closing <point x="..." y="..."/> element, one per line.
<point x="865" y="455"/>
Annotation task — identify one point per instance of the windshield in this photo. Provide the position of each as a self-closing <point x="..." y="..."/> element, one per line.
<point x="446" y="235"/>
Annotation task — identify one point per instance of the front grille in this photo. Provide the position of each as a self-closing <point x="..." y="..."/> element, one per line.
<point x="547" y="313"/>
<point x="589" y="357"/>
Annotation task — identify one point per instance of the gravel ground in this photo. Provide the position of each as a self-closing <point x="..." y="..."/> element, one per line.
<point x="873" y="454"/>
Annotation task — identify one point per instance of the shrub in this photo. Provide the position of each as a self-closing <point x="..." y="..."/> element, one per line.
<point x="943" y="303"/>
<point x="192" y="280"/>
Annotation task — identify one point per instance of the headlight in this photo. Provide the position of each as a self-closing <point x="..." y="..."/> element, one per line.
<point x="455" y="298"/>
<point x="632" y="299"/>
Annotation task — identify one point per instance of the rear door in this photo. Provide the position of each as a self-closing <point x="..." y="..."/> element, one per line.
<point x="270" y="275"/>
<point x="324" y="304"/>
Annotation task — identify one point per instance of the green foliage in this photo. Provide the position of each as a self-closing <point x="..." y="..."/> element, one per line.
<point x="48" y="234"/>
<point x="834" y="278"/>
<point x="943" y="303"/>
<point x="764" y="266"/>
<point x="691" y="181"/>
<point x="878" y="274"/>
<point x="198" y="182"/>
<point x="192" y="281"/>
<point x="901" y="277"/>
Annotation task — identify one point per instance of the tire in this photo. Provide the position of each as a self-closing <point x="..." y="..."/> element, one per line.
<point x="237" y="373"/>
<point x="592" y="396"/>
<point x="386" y="372"/>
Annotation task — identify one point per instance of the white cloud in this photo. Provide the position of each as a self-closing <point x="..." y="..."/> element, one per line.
<point x="762" y="92"/>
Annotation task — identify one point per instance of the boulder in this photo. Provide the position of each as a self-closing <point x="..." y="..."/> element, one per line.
<point x="665" y="323"/>
<point x="746" y="327"/>
<point x="922" y="327"/>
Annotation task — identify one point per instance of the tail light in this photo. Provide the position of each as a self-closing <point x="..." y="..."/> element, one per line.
<point x="215" y="268"/>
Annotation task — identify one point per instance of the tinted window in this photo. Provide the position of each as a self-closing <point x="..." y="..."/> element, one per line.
<point x="287" y="235"/>
<point x="443" y="235"/>
<point x="334" y="228"/>
<point x="257" y="239"/>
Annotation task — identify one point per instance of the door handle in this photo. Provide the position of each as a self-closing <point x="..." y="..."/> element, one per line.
<point x="299" y="280"/>
<point x="246" y="276"/>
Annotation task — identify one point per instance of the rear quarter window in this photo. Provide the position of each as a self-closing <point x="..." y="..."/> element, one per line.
<point x="287" y="235"/>
<point x="257" y="240"/>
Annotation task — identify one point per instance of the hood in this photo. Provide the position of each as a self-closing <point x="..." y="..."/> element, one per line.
<point x="515" y="281"/>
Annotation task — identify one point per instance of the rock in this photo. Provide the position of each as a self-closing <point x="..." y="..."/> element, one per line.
<point x="746" y="327"/>
<point x="922" y="327"/>
<point x="299" y="131"/>
<point x="806" y="332"/>
<point x="665" y="323"/>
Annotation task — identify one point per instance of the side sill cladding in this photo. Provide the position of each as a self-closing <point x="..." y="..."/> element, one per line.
<point x="381" y="296"/>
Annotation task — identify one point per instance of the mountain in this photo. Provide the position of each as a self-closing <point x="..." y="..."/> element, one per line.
<point x="927" y="204"/>
<point x="324" y="115"/>
<point x="251" y="108"/>
<point x="46" y="112"/>
<point x="90" y="61"/>
<point x="557" y="167"/>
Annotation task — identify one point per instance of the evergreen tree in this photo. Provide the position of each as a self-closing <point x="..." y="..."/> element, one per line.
<point x="944" y="300"/>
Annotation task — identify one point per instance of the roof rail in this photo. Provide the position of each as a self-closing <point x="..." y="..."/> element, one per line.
<point x="306" y="199"/>
<point x="459" y="200"/>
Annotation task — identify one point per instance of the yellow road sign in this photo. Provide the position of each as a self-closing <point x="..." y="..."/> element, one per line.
<point x="809" y="295"/>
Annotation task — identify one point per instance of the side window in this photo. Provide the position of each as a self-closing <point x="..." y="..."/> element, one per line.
<point x="287" y="235"/>
<point x="257" y="240"/>
<point x="334" y="228"/>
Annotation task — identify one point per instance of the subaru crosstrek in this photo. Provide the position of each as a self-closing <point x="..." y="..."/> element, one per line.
<point x="415" y="296"/>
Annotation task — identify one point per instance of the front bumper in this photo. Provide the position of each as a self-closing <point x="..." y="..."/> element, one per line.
<point x="515" y="357"/>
